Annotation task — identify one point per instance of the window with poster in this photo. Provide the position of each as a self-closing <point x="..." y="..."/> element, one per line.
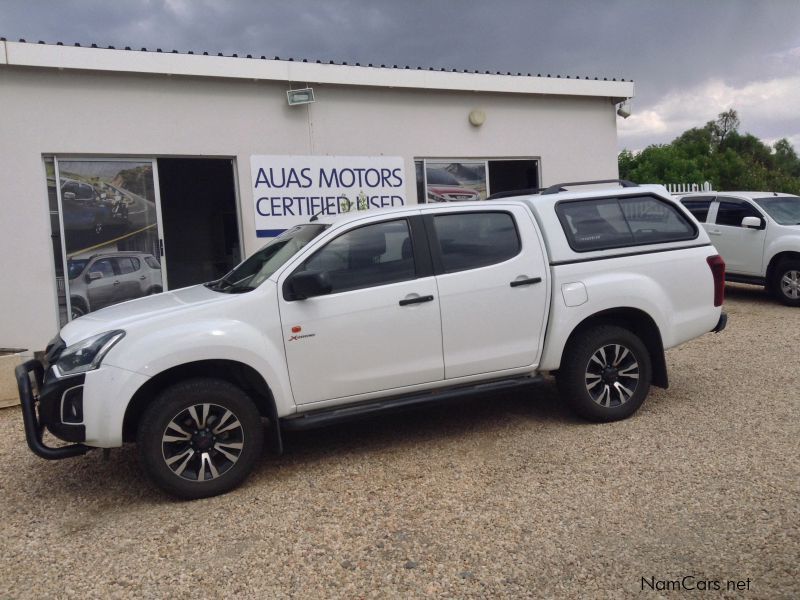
<point x="470" y="179"/>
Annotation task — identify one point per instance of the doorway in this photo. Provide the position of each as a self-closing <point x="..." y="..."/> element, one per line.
<point x="198" y="218"/>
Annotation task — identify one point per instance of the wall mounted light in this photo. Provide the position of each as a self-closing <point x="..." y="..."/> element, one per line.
<point x="477" y="118"/>
<point x="302" y="96"/>
<point x="624" y="109"/>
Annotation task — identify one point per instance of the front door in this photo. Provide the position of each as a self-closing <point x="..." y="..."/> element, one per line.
<point x="742" y="248"/>
<point x="379" y="329"/>
<point x="492" y="288"/>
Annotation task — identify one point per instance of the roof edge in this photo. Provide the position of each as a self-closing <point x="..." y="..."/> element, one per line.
<point x="199" y="65"/>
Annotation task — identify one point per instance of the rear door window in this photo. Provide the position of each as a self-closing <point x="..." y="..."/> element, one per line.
<point x="476" y="239"/>
<point x="698" y="207"/>
<point x="599" y="224"/>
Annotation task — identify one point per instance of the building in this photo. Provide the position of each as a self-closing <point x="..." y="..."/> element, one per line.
<point x="125" y="172"/>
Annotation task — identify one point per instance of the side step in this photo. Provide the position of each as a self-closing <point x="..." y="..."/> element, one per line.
<point x="336" y="414"/>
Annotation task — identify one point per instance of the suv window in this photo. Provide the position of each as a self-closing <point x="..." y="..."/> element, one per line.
<point x="731" y="212"/>
<point x="476" y="239"/>
<point x="368" y="256"/>
<point x="698" y="207"/>
<point x="103" y="266"/>
<point x="152" y="262"/>
<point x="127" y="265"/>
<point x="618" y="222"/>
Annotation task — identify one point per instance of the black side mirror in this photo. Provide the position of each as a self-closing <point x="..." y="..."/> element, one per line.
<point x="307" y="285"/>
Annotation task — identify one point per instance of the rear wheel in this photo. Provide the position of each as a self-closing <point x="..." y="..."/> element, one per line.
<point x="786" y="282"/>
<point x="605" y="373"/>
<point x="200" y="438"/>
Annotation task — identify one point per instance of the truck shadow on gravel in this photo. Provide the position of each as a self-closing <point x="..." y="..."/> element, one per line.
<point x="476" y="419"/>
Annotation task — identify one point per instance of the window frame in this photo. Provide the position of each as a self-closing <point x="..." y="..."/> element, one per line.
<point x="633" y="243"/>
<point x="435" y="246"/>
<point x="739" y="202"/>
<point x="420" y="254"/>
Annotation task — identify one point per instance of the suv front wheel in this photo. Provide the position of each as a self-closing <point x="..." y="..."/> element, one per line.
<point x="200" y="438"/>
<point x="786" y="283"/>
<point x="605" y="373"/>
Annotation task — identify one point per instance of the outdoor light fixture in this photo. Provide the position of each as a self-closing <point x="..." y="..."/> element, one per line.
<point x="302" y="96"/>
<point x="477" y="118"/>
<point x="624" y="109"/>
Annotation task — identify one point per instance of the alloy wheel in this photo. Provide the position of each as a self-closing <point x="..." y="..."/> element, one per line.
<point x="790" y="284"/>
<point x="202" y="442"/>
<point x="612" y="375"/>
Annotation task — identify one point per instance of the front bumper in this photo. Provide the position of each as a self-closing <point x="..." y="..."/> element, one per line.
<point x="48" y="400"/>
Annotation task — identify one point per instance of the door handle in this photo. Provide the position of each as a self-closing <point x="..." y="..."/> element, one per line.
<point x="418" y="300"/>
<point x="529" y="281"/>
<point x="715" y="232"/>
<point x="142" y="278"/>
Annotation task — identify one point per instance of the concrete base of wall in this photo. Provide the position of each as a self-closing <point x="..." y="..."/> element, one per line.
<point x="9" y="396"/>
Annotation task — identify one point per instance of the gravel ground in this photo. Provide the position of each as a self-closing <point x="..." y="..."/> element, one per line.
<point x="505" y="496"/>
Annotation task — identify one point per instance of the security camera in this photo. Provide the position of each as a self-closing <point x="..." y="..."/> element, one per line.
<point x="624" y="110"/>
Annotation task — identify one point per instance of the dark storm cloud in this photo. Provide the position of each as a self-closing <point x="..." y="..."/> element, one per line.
<point x="667" y="47"/>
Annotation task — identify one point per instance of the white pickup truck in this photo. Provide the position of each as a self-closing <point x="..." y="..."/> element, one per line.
<point x="758" y="236"/>
<point x="347" y="316"/>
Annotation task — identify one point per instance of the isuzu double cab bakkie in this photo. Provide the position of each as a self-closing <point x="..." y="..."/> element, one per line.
<point x="352" y="315"/>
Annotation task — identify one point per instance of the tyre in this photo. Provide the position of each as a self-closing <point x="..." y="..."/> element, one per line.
<point x="76" y="309"/>
<point x="156" y="289"/>
<point x="786" y="282"/>
<point x="605" y="373"/>
<point x="200" y="438"/>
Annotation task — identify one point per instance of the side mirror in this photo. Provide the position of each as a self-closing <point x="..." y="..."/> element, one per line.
<point x="752" y="223"/>
<point x="308" y="285"/>
<point x="69" y="195"/>
<point x="93" y="276"/>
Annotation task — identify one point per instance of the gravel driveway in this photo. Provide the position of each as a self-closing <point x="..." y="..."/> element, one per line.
<point x="502" y="496"/>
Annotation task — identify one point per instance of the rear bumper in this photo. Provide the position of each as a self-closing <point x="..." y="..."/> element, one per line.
<point x="47" y="401"/>
<point x="723" y="321"/>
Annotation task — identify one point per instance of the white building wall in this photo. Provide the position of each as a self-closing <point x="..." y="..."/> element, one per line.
<point x="80" y="113"/>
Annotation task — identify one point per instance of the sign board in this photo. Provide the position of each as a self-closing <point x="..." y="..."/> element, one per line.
<point x="288" y="190"/>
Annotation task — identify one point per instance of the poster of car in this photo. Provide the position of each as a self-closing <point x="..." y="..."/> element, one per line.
<point x="110" y="224"/>
<point x="449" y="181"/>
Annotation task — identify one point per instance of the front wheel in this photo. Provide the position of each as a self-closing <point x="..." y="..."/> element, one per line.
<point x="786" y="284"/>
<point x="200" y="438"/>
<point x="605" y="373"/>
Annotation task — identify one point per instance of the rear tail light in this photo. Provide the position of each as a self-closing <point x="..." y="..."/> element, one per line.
<point x="717" y="266"/>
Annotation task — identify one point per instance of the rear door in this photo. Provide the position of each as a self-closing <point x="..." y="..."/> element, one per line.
<point x="379" y="329"/>
<point x="492" y="280"/>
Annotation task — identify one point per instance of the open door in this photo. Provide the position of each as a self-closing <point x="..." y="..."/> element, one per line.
<point x="199" y="219"/>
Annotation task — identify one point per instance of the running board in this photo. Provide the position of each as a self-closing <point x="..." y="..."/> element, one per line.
<point x="333" y="415"/>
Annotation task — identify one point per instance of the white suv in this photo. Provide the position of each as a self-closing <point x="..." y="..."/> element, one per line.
<point x="758" y="235"/>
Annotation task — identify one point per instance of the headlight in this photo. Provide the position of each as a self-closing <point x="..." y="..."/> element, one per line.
<point x="87" y="354"/>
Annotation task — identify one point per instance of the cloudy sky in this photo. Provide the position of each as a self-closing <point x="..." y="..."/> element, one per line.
<point x="690" y="59"/>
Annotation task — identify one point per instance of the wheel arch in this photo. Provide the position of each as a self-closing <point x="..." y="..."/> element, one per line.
<point x="640" y="323"/>
<point x="776" y="260"/>
<point x="235" y="372"/>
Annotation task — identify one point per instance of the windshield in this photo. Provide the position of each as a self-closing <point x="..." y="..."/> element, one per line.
<point x="258" y="268"/>
<point x="76" y="267"/>
<point x="784" y="209"/>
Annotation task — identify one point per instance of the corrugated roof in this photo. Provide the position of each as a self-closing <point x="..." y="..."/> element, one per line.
<point x="331" y="62"/>
<point x="291" y="70"/>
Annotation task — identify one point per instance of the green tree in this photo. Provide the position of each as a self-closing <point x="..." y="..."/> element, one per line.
<point x="720" y="154"/>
